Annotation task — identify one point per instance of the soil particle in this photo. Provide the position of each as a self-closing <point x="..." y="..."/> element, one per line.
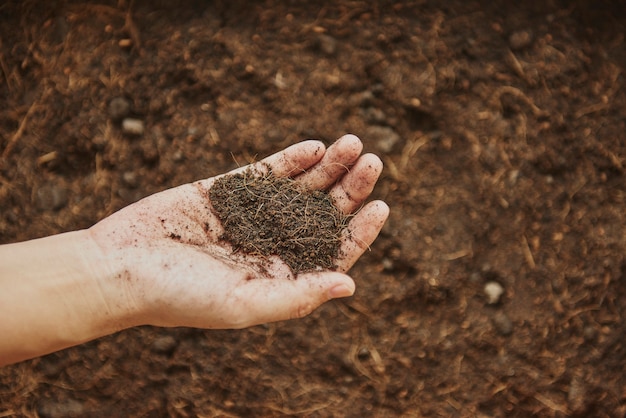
<point x="119" y="108"/>
<point x="69" y="408"/>
<point x="520" y="40"/>
<point x="503" y="323"/>
<point x="130" y="179"/>
<point x="385" y="138"/>
<point x="264" y="215"/>
<point x="52" y="196"/>
<point x="133" y="127"/>
<point x="327" y="44"/>
<point x="164" y="344"/>
<point x="493" y="292"/>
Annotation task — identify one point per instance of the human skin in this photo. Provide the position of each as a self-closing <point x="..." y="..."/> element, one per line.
<point x="127" y="270"/>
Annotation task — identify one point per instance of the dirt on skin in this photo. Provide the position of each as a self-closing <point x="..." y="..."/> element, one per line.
<point x="501" y="126"/>
<point x="263" y="215"/>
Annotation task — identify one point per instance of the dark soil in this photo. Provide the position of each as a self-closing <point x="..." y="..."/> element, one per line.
<point x="501" y="126"/>
<point x="263" y="215"/>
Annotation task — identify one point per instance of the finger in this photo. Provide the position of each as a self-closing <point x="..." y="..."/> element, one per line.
<point x="353" y="188"/>
<point x="361" y="232"/>
<point x="293" y="160"/>
<point x="337" y="161"/>
<point x="277" y="300"/>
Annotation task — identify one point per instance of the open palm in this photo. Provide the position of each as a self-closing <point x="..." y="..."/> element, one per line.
<point x="175" y="271"/>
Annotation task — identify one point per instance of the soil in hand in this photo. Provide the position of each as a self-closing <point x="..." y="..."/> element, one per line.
<point x="264" y="215"/>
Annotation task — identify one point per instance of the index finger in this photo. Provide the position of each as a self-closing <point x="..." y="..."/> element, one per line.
<point x="337" y="161"/>
<point x="293" y="160"/>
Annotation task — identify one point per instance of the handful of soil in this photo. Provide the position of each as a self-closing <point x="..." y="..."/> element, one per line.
<point x="264" y="215"/>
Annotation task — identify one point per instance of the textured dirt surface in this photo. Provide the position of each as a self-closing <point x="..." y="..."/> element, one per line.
<point x="501" y="127"/>
<point x="265" y="216"/>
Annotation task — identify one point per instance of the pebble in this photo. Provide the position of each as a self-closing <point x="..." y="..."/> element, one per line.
<point x="502" y="323"/>
<point x="373" y="115"/>
<point x="178" y="156"/>
<point x="133" y="127"/>
<point x="327" y="44"/>
<point x="493" y="291"/>
<point x="129" y="195"/>
<point x="51" y="196"/>
<point x="69" y="408"/>
<point x="388" y="264"/>
<point x="164" y="344"/>
<point x="119" y="108"/>
<point x="520" y="39"/>
<point x="384" y="137"/>
<point x="514" y="175"/>
<point x="475" y="277"/>
<point x="194" y="132"/>
<point x="363" y="353"/>
<point x="130" y="178"/>
<point x="274" y="134"/>
<point x="363" y="98"/>
<point x="589" y="333"/>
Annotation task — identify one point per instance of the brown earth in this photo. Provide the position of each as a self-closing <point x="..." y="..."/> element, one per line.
<point x="501" y="125"/>
<point x="264" y="215"/>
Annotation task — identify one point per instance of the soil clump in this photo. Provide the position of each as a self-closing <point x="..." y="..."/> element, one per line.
<point x="264" y="215"/>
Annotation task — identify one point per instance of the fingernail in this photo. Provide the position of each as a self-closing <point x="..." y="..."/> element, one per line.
<point x="340" y="291"/>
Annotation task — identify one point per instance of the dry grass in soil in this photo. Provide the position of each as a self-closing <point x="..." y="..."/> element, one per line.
<point x="264" y="215"/>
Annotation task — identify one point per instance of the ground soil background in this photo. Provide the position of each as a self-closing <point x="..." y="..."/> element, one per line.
<point x="501" y="126"/>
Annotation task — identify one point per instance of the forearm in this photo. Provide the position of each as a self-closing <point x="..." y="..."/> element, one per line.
<point x="55" y="295"/>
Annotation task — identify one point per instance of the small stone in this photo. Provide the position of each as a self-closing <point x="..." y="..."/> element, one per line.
<point x="493" y="291"/>
<point x="178" y="156"/>
<point x="520" y="40"/>
<point x="119" y="108"/>
<point x="589" y="333"/>
<point x="130" y="178"/>
<point x="125" y="43"/>
<point x="69" y="408"/>
<point x="193" y="133"/>
<point x="164" y="345"/>
<point x="514" y="175"/>
<point x="274" y="134"/>
<point x="133" y="127"/>
<point x="475" y="277"/>
<point x="51" y="196"/>
<point x="388" y="264"/>
<point x="373" y="115"/>
<point x="327" y="44"/>
<point x="363" y="353"/>
<point x="384" y="137"/>
<point x="363" y="98"/>
<point x="129" y="195"/>
<point x="502" y="323"/>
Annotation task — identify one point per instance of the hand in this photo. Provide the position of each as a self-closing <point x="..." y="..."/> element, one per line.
<point x="173" y="270"/>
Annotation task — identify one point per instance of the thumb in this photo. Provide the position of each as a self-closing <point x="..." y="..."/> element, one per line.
<point x="313" y="289"/>
<point x="290" y="299"/>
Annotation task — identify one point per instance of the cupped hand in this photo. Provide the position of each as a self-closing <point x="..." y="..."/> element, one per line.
<point x="166" y="258"/>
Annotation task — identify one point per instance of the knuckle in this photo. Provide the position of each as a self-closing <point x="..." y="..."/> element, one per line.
<point x="303" y="310"/>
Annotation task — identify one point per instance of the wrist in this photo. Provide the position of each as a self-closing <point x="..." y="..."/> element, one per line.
<point x="57" y="293"/>
<point x="110" y="282"/>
